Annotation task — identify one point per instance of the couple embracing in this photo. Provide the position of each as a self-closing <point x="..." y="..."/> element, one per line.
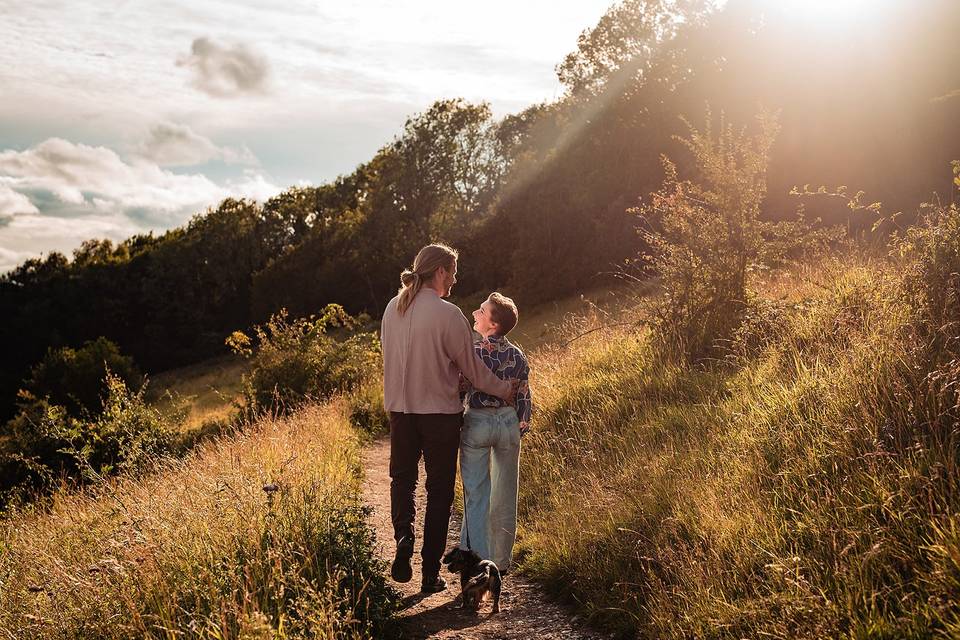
<point x="431" y="366"/>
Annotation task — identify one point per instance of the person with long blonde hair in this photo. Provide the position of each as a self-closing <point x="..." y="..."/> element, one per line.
<point x="427" y="343"/>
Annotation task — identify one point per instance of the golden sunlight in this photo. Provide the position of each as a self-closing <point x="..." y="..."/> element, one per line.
<point x="835" y="12"/>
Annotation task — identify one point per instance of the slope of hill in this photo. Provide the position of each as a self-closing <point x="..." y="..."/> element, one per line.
<point x="204" y="392"/>
<point x="253" y="531"/>
<point x="257" y="534"/>
<point x="807" y="487"/>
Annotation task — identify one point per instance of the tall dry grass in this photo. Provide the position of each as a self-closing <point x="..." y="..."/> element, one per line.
<point x="809" y="488"/>
<point x="256" y="535"/>
<point x="200" y="394"/>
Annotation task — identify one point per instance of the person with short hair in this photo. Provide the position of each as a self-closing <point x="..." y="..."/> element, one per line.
<point x="490" y="442"/>
<point x="426" y="344"/>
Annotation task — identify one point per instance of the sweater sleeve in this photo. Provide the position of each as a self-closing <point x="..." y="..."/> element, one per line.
<point x="458" y="342"/>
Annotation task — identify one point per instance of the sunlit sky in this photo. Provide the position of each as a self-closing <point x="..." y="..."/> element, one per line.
<point x="126" y="116"/>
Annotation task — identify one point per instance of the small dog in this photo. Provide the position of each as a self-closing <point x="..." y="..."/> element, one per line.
<point x="477" y="577"/>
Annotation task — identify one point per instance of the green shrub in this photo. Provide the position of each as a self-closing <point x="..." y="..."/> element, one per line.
<point x="298" y="360"/>
<point x="77" y="378"/>
<point x="366" y="408"/>
<point x="931" y="251"/>
<point x="44" y="442"/>
<point x="763" y="322"/>
<point x="706" y="240"/>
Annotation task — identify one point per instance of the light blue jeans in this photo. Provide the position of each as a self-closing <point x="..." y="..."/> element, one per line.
<point x="490" y="471"/>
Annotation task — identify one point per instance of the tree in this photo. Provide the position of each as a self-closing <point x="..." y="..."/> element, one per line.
<point x="305" y="276"/>
<point x="443" y="169"/>
<point x="437" y="180"/>
<point x="626" y="44"/>
<point x="286" y="219"/>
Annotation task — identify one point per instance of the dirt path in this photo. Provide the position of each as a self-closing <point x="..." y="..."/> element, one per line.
<point x="525" y="610"/>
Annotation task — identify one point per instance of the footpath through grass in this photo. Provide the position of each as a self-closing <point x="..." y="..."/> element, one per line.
<point x="254" y="535"/>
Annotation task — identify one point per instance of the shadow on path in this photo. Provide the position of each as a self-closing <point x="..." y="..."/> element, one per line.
<point x="526" y="612"/>
<point x="443" y="618"/>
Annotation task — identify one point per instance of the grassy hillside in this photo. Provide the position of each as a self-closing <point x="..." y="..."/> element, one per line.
<point x="256" y="535"/>
<point x="807" y="487"/>
<point x="209" y="392"/>
<point x="804" y="486"/>
<point x="203" y="392"/>
<point x="197" y="544"/>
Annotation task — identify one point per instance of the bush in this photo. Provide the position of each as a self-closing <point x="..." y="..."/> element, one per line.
<point x="45" y="442"/>
<point x="366" y="408"/>
<point x="762" y="324"/>
<point x="297" y="360"/>
<point x="77" y="378"/>
<point x="706" y="239"/>
<point x="931" y="251"/>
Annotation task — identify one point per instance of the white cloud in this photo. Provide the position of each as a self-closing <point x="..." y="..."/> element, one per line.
<point x="76" y="174"/>
<point x="13" y="203"/>
<point x="33" y="236"/>
<point x="177" y="145"/>
<point x="253" y="186"/>
<point x="10" y="259"/>
<point x="113" y="68"/>
<point x="226" y="71"/>
<point x="316" y="101"/>
<point x="76" y="192"/>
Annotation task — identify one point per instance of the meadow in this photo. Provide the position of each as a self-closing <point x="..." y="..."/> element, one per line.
<point x="204" y="393"/>
<point x="254" y="534"/>
<point x="754" y="434"/>
<point x="804" y="486"/>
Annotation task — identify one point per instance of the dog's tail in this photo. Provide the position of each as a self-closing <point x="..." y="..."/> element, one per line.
<point x="495" y="584"/>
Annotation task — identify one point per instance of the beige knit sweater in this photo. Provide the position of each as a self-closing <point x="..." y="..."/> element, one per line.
<point x="424" y="350"/>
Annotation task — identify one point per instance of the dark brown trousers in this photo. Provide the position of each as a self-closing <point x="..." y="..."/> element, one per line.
<point x="435" y="436"/>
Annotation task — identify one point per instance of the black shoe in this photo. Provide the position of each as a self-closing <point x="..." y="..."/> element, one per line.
<point x="433" y="584"/>
<point x="400" y="570"/>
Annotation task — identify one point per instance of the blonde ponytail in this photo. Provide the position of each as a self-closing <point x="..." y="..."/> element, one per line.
<point x="425" y="265"/>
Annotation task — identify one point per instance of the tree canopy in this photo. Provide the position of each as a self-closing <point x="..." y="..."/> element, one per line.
<point x="537" y="201"/>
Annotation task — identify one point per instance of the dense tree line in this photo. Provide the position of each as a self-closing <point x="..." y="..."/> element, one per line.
<point x="537" y="201"/>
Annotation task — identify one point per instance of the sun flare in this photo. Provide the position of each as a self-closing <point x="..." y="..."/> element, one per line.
<point x="827" y="11"/>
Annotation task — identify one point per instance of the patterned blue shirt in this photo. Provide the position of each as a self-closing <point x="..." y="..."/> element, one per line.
<point x="507" y="361"/>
